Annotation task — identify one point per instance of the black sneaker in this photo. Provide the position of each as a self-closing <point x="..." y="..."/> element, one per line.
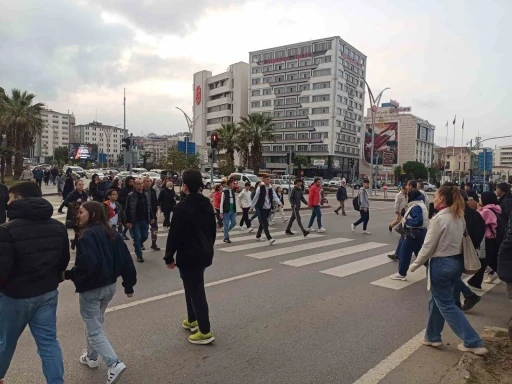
<point x="227" y="241"/>
<point x="305" y="233"/>
<point x="289" y="233"/>
<point x="140" y="259"/>
<point x="344" y="214"/>
<point x="393" y="257"/>
<point x="470" y="302"/>
<point x="73" y="244"/>
<point x="143" y="248"/>
<point x="336" y="212"/>
<point x="155" y="247"/>
<point x="475" y="286"/>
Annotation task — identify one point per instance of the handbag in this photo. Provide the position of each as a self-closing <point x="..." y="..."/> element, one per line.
<point x="471" y="260"/>
<point x="400" y="229"/>
<point x="414" y="233"/>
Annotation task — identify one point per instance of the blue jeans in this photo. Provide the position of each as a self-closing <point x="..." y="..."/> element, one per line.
<point x="139" y="233"/>
<point x="407" y="248"/>
<point x="399" y="246"/>
<point x="40" y="314"/>
<point x="461" y="287"/>
<point x="316" y="212"/>
<point x="229" y="221"/>
<point x="93" y="305"/>
<point x="445" y="272"/>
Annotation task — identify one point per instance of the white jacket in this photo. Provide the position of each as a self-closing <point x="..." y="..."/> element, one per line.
<point x="443" y="239"/>
<point x="244" y="199"/>
<point x="400" y="202"/>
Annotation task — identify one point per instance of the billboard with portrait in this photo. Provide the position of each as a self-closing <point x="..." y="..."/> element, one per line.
<point x="80" y="151"/>
<point x="386" y="143"/>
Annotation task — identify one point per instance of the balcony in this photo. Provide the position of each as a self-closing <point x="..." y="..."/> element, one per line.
<point x="287" y="82"/>
<point x="224" y="113"/>
<point x="295" y="69"/>
<point x="221" y="101"/>
<point x="296" y="129"/>
<point x="285" y="106"/>
<point x="285" y="94"/>
<point x="218" y="91"/>
<point x="316" y="141"/>
<point x="289" y="118"/>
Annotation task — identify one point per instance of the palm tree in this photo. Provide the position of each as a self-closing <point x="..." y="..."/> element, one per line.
<point x="228" y="134"/>
<point x="22" y="122"/>
<point x="300" y="161"/>
<point x="257" y="128"/>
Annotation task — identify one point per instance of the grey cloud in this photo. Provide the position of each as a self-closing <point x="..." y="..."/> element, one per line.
<point x="163" y="16"/>
<point x="425" y="103"/>
<point x="59" y="47"/>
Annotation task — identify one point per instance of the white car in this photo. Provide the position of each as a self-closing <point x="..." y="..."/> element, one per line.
<point x="152" y="175"/>
<point x="208" y="183"/>
<point x="281" y="183"/>
<point x="427" y="187"/>
<point x="90" y="172"/>
<point x="335" y="182"/>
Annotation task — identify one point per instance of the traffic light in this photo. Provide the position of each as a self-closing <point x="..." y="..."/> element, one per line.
<point x="293" y="157"/>
<point x="288" y="158"/>
<point x="127" y="141"/>
<point x="351" y="163"/>
<point x="214" y="140"/>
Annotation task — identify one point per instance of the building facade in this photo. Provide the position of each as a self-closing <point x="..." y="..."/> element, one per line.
<point x="314" y="91"/>
<point x="158" y="146"/>
<point x="58" y="128"/>
<point x="108" y="139"/>
<point x="503" y="156"/>
<point x="218" y="99"/>
<point x="455" y="161"/>
<point x="399" y="137"/>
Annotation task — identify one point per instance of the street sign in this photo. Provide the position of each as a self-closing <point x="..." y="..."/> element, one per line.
<point x="485" y="161"/>
<point x="388" y="157"/>
<point x="187" y="146"/>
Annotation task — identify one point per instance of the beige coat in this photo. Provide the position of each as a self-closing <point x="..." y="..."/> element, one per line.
<point x="443" y="239"/>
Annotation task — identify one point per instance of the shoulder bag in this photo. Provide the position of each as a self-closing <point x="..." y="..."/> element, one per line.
<point x="471" y="261"/>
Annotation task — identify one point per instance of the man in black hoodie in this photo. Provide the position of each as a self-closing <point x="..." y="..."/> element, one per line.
<point x="123" y="195"/>
<point x="191" y="238"/>
<point x="30" y="268"/>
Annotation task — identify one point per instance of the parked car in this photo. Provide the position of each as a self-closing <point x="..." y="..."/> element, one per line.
<point x="281" y="183"/>
<point x="243" y="178"/>
<point x="335" y="182"/>
<point x="359" y="184"/>
<point x="209" y="183"/>
<point x="427" y="187"/>
<point x="152" y="175"/>
<point x="139" y="170"/>
<point x="308" y="181"/>
<point x="325" y="182"/>
<point x="90" y="172"/>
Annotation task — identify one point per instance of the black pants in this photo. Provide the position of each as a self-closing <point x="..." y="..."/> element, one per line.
<point x="38" y="182"/>
<point x="264" y="213"/>
<point x="167" y="218"/>
<point x="195" y="296"/>
<point x="295" y="216"/>
<point x="491" y="259"/>
<point x="245" y="217"/>
<point x="365" y="218"/>
<point x="219" y="220"/>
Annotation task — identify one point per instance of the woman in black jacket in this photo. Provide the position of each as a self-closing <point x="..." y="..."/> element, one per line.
<point x="167" y="202"/>
<point x="95" y="189"/>
<point x="73" y="201"/>
<point x="69" y="184"/>
<point x="102" y="256"/>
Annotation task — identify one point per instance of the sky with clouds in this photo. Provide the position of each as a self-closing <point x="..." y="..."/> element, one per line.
<point x="440" y="57"/>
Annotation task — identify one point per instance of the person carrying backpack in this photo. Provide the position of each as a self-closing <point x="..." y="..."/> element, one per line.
<point x="494" y="231"/>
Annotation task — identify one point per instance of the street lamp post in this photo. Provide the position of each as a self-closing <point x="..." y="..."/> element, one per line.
<point x="190" y="123"/>
<point x="3" y="146"/>
<point x="375" y="103"/>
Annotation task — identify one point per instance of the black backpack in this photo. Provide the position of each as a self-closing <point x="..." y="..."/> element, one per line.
<point x="355" y="203"/>
<point x="475" y="226"/>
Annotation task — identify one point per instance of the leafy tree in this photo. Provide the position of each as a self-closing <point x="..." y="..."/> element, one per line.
<point x="179" y="161"/>
<point x="256" y="128"/>
<point x="228" y="140"/>
<point x="301" y="161"/>
<point x="416" y="169"/>
<point x="225" y="168"/>
<point x="22" y="122"/>
<point x="60" y="154"/>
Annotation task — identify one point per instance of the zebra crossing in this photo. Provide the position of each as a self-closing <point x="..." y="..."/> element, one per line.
<point x="316" y="249"/>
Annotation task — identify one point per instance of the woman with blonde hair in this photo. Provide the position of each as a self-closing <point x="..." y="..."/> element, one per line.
<point x="442" y="250"/>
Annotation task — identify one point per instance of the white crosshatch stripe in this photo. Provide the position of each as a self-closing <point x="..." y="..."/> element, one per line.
<point x="297" y="248"/>
<point x="358" y="266"/>
<point x="316" y="258"/>
<point x="262" y="244"/>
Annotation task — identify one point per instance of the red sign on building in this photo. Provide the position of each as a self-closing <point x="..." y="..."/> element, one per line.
<point x="198" y="95"/>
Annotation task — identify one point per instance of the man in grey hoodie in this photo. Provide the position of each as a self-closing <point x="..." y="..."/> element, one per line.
<point x="364" y="208"/>
<point x="296" y="197"/>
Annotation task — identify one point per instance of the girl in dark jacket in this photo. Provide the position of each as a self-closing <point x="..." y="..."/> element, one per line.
<point x="102" y="256"/>
<point x="167" y="202"/>
<point x="73" y="201"/>
<point x="95" y="189"/>
<point x="115" y="185"/>
<point x="69" y="184"/>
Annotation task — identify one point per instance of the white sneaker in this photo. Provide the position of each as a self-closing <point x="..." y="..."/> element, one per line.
<point x="242" y="228"/>
<point x="353" y="227"/>
<point x="272" y="222"/>
<point x="490" y="278"/>
<point x="285" y="219"/>
<point x="477" y="351"/>
<point x="250" y="230"/>
<point x="114" y="373"/>
<point x="431" y="343"/>
<point x="311" y="229"/>
<point x="366" y="233"/>
<point x="271" y="241"/>
<point x="260" y="239"/>
<point x="398" y="276"/>
<point x="321" y="229"/>
<point x="86" y="361"/>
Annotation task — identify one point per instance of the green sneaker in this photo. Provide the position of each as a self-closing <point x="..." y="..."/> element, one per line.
<point x="192" y="327"/>
<point x="200" y="338"/>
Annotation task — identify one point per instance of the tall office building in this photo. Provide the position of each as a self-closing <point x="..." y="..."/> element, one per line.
<point x="218" y="99"/>
<point x="56" y="133"/>
<point x="314" y="91"/>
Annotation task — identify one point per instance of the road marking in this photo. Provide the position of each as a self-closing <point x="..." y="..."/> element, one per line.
<point x="412" y="278"/>
<point x="357" y="266"/>
<point x="297" y="248"/>
<point x="332" y="254"/>
<point x="381" y="370"/>
<point x="176" y="293"/>
<point x="149" y="250"/>
<point x="265" y="243"/>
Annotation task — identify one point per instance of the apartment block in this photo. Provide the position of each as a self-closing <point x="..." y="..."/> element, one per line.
<point x="58" y="128"/>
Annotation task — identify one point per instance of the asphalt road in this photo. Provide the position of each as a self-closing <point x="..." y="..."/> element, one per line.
<point x="303" y="311"/>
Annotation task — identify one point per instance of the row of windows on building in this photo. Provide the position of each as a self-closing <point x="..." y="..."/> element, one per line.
<point x="306" y="112"/>
<point x="55" y="116"/>
<point x="301" y="135"/>
<point x="305" y="87"/>
<point x="218" y="108"/>
<point x="301" y="100"/>
<point x="309" y="148"/>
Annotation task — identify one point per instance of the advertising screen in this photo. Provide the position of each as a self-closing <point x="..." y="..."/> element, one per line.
<point x="79" y="151"/>
<point x="386" y="141"/>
